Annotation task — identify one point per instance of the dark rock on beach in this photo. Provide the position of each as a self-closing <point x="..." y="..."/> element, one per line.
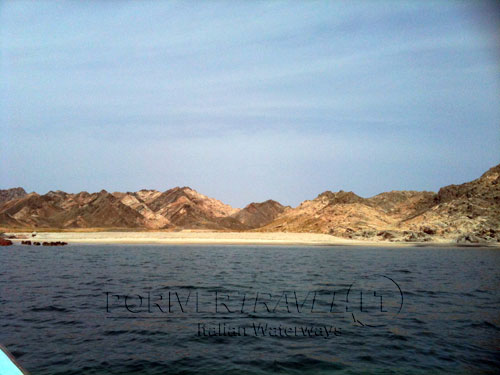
<point x="4" y="242"/>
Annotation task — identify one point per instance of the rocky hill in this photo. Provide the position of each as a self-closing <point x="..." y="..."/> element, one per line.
<point x="9" y="194"/>
<point x="186" y="208"/>
<point x="401" y="204"/>
<point x="182" y="208"/>
<point x="58" y="209"/>
<point x="469" y="212"/>
<point x="256" y="215"/>
<point x="340" y="214"/>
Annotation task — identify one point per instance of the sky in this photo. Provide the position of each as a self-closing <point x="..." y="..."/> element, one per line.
<point x="248" y="100"/>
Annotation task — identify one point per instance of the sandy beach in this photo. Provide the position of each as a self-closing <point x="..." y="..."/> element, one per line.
<point x="209" y="237"/>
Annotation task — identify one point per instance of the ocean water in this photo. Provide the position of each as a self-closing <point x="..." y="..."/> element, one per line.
<point x="127" y="309"/>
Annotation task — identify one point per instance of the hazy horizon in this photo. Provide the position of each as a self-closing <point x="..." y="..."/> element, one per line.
<point x="247" y="101"/>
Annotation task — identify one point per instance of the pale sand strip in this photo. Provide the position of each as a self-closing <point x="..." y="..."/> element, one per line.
<point x="207" y="237"/>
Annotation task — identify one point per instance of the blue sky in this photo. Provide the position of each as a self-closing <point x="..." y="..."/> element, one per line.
<point x="246" y="101"/>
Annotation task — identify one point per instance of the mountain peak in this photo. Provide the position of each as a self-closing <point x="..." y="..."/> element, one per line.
<point x="493" y="172"/>
<point x="340" y="197"/>
<point x="258" y="214"/>
<point x="469" y="208"/>
<point x="13" y="193"/>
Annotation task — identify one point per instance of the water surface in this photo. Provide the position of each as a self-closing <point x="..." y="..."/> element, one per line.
<point x="56" y="317"/>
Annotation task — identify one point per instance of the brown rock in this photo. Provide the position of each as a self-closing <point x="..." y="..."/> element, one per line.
<point x="9" y="194"/>
<point x="469" y="212"/>
<point x="4" y="242"/>
<point x="256" y="215"/>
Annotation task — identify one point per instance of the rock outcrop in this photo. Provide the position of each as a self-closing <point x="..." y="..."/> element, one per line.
<point x="468" y="213"/>
<point x="9" y="194"/>
<point x="4" y="242"/>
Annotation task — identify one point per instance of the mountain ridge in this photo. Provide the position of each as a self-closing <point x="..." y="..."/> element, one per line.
<point x="468" y="212"/>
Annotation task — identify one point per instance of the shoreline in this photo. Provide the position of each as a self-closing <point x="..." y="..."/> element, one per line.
<point x="221" y="238"/>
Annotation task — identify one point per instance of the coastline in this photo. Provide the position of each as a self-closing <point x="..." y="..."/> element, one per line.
<point x="221" y="238"/>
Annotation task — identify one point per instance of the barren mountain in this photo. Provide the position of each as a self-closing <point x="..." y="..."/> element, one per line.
<point x="145" y="209"/>
<point x="9" y="194"/>
<point x="139" y="202"/>
<point x="469" y="212"/>
<point x="340" y="214"/>
<point x="186" y="208"/>
<point x="256" y="215"/>
<point x="401" y="204"/>
<point x="62" y="210"/>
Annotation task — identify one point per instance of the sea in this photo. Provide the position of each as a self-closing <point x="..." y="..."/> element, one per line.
<point x="203" y="309"/>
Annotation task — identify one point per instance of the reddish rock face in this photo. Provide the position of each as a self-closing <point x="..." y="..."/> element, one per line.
<point x="4" y="242"/>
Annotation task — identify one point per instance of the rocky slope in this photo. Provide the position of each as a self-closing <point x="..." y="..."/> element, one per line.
<point x="256" y="215"/>
<point x="9" y="194"/>
<point x="58" y="209"/>
<point x="469" y="212"/>
<point x="401" y="204"/>
<point x="466" y="213"/>
<point x="186" y="208"/>
<point x="139" y="201"/>
<point x="182" y="208"/>
<point x="339" y="214"/>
